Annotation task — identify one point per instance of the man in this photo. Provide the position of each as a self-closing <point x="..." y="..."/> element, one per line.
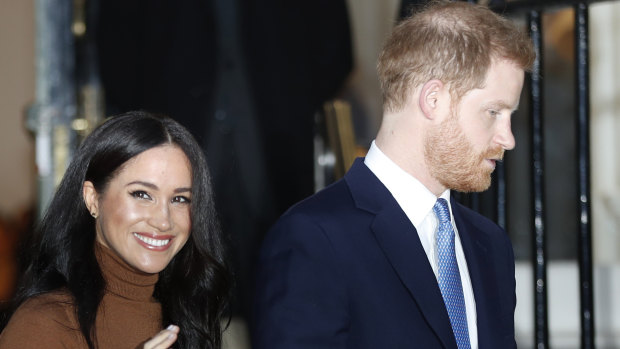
<point x="386" y="258"/>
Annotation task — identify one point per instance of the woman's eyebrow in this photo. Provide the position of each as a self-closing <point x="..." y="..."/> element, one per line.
<point x="155" y="187"/>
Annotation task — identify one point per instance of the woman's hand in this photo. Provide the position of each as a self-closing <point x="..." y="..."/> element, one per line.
<point x="164" y="339"/>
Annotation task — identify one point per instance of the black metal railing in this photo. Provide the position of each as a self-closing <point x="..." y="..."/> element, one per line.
<point x="534" y="9"/>
<point x="582" y="68"/>
<point x="541" y="330"/>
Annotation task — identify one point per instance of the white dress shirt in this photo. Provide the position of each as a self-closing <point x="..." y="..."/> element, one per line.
<point x="417" y="202"/>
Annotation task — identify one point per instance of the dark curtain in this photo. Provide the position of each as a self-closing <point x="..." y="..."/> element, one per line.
<point x="246" y="77"/>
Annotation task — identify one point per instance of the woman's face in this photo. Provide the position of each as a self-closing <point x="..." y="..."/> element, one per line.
<point x="143" y="215"/>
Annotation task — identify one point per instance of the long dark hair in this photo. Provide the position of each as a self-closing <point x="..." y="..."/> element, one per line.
<point x="193" y="289"/>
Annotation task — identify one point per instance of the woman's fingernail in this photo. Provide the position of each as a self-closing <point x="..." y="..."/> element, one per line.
<point x="171" y="327"/>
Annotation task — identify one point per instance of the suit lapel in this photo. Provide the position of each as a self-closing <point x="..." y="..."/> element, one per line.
<point x="401" y="245"/>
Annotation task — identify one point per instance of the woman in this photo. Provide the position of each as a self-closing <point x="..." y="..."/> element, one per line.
<point x="128" y="246"/>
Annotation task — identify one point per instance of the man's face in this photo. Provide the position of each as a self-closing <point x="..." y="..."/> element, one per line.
<point x="461" y="153"/>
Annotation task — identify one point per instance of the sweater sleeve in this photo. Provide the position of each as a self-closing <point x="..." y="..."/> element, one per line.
<point x="45" y="321"/>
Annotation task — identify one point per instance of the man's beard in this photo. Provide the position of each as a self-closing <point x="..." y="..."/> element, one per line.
<point x="452" y="160"/>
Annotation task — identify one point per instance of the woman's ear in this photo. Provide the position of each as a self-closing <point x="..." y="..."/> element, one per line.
<point x="91" y="198"/>
<point x="429" y="97"/>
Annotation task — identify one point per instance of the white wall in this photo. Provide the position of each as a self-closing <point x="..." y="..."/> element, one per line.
<point x="563" y="301"/>
<point x="605" y="109"/>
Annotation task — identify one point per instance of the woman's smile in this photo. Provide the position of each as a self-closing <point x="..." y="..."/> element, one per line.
<point x="155" y="243"/>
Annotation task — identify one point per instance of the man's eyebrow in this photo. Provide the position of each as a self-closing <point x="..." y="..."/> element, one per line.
<point x="502" y="105"/>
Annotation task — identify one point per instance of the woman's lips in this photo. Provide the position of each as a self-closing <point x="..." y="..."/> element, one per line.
<point x="154" y="242"/>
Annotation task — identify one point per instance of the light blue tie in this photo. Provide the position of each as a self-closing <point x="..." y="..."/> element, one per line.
<point x="449" y="276"/>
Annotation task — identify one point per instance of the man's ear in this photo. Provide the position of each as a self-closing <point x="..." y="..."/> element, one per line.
<point x="429" y="97"/>
<point x="91" y="198"/>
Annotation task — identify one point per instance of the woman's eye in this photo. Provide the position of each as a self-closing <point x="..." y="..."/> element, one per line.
<point x="140" y="194"/>
<point x="181" y="200"/>
<point x="493" y="113"/>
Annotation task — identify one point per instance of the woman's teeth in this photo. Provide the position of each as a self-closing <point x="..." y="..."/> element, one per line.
<point x="152" y="242"/>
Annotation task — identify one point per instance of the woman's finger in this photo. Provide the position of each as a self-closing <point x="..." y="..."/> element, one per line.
<point x="164" y="339"/>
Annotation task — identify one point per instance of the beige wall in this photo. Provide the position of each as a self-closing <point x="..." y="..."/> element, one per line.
<point x="17" y="84"/>
<point x="371" y="21"/>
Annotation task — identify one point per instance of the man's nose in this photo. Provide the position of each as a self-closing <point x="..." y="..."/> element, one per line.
<point x="504" y="136"/>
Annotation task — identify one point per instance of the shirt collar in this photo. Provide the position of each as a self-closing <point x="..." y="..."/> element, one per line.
<point x="412" y="196"/>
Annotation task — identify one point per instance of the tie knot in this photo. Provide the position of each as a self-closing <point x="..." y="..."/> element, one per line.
<point x="442" y="210"/>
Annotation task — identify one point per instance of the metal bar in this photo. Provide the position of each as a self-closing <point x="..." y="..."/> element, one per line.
<point x="90" y="98"/>
<point x="54" y="108"/>
<point x="583" y="153"/>
<point x="541" y="329"/>
<point x="526" y="5"/>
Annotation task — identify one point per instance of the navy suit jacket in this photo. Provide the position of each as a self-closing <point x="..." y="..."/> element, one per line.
<point x="345" y="269"/>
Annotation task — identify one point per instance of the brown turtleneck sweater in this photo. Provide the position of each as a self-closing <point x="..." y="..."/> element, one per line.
<point x="128" y="314"/>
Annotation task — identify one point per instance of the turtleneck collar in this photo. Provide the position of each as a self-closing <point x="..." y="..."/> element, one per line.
<point x="122" y="279"/>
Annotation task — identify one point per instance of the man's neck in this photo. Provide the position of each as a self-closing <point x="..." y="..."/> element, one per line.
<point x="409" y="156"/>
